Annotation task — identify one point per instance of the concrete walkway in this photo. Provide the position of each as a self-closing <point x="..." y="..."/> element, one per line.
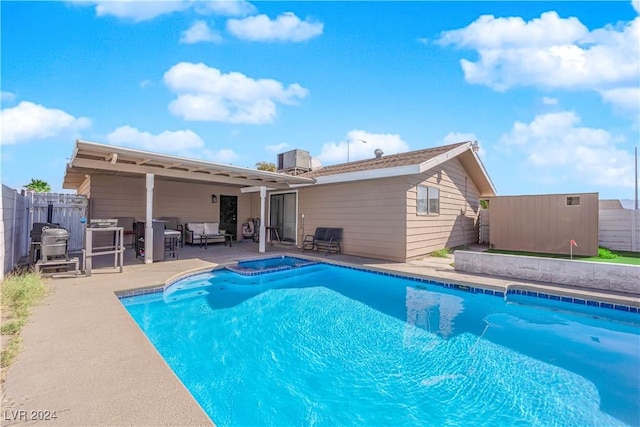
<point x="86" y="360"/>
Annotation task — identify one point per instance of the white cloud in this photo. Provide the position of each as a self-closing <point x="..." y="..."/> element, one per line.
<point x="138" y="11"/>
<point x="336" y="152"/>
<point x="141" y="10"/>
<point x="549" y="101"/>
<point x="200" y="32"/>
<point x="624" y="98"/>
<point x="225" y="155"/>
<point x="636" y="5"/>
<point x="28" y="121"/>
<point x="549" y="52"/>
<point x="226" y="7"/>
<point x="167" y="141"/>
<point x="206" y="94"/>
<point x="185" y="143"/>
<point x="286" y="27"/>
<point x="7" y="96"/>
<point x="146" y="83"/>
<point x="489" y="32"/>
<point x="556" y="144"/>
<point x="277" y="148"/>
<point x="455" y="137"/>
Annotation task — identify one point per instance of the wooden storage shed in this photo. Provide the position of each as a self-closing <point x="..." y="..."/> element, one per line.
<point x="545" y="223"/>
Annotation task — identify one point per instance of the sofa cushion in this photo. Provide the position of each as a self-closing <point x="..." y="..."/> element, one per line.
<point x="210" y="228"/>
<point x="196" y="227"/>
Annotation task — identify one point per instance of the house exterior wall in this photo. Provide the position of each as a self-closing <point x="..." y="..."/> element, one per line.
<point x="85" y="187"/>
<point x="457" y="222"/>
<point x="544" y="223"/>
<point x="120" y="196"/>
<point x="371" y="213"/>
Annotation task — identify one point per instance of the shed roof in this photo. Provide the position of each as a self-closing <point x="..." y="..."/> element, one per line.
<point x="91" y="157"/>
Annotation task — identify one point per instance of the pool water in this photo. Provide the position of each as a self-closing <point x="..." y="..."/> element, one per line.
<point x="325" y="345"/>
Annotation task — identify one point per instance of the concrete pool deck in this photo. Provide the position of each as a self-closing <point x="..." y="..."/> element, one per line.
<point x="85" y="358"/>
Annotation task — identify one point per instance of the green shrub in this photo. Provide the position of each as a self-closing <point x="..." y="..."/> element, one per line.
<point x="605" y="253"/>
<point x="440" y="253"/>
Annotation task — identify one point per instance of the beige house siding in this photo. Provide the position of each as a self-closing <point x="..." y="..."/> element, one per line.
<point x="85" y="187"/>
<point x="119" y="196"/>
<point x="544" y="223"/>
<point x="457" y="222"/>
<point x="255" y="206"/>
<point x="371" y="213"/>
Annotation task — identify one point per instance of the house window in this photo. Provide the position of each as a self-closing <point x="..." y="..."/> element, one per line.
<point x="428" y="200"/>
<point x="573" y="200"/>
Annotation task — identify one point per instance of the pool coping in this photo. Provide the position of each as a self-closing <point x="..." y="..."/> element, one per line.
<point x="572" y="296"/>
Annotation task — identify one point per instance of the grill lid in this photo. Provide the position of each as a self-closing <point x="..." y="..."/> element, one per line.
<point x="59" y="233"/>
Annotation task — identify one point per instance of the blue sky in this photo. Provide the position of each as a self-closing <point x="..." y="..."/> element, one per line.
<point x="551" y="90"/>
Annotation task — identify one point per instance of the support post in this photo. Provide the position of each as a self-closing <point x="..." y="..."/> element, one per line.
<point x="148" y="222"/>
<point x="263" y="209"/>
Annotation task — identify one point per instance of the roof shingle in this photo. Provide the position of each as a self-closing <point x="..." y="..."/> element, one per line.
<point x="390" y="161"/>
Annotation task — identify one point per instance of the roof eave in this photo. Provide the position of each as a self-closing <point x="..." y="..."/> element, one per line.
<point x="367" y="174"/>
<point x="170" y="166"/>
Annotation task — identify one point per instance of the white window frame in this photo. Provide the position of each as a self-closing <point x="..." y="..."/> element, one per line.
<point x="427" y="201"/>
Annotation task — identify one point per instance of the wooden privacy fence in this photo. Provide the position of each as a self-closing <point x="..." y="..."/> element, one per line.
<point x="619" y="229"/>
<point x="66" y="210"/>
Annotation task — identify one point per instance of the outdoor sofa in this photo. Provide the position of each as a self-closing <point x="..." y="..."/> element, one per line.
<point x="197" y="232"/>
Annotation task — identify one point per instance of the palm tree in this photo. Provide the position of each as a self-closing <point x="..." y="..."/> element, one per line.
<point x="38" y="185"/>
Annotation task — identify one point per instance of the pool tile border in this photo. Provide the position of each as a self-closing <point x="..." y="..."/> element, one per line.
<point x="575" y="300"/>
<point x="447" y="285"/>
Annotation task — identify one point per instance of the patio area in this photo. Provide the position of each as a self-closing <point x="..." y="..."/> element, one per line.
<point x="86" y="360"/>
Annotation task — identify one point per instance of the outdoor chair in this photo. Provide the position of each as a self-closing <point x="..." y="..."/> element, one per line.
<point x="325" y="238"/>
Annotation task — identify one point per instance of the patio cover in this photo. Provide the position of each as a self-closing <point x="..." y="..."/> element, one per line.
<point x="91" y="158"/>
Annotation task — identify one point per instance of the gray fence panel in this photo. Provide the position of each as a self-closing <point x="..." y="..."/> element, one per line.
<point x="68" y="210"/>
<point x="14" y="225"/>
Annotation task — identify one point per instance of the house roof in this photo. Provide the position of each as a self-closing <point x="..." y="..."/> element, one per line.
<point x="412" y="162"/>
<point x="389" y="161"/>
<point x="610" y="204"/>
<point x="91" y="157"/>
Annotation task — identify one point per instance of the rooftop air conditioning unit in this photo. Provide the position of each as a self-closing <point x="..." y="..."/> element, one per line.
<point x="294" y="162"/>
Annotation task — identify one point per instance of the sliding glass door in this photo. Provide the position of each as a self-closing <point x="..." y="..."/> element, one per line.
<point x="282" y="215"/>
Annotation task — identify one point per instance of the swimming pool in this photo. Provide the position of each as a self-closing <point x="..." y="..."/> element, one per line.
<point x="328" y="345"/>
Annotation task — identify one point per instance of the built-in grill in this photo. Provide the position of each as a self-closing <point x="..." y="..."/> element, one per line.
<point x="53" y="244"/>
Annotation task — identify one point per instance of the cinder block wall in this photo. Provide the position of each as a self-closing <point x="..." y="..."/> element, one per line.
<point x="584" y="274"/>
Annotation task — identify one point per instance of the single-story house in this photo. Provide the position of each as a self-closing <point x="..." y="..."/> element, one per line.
<point x="395" y="207"/>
